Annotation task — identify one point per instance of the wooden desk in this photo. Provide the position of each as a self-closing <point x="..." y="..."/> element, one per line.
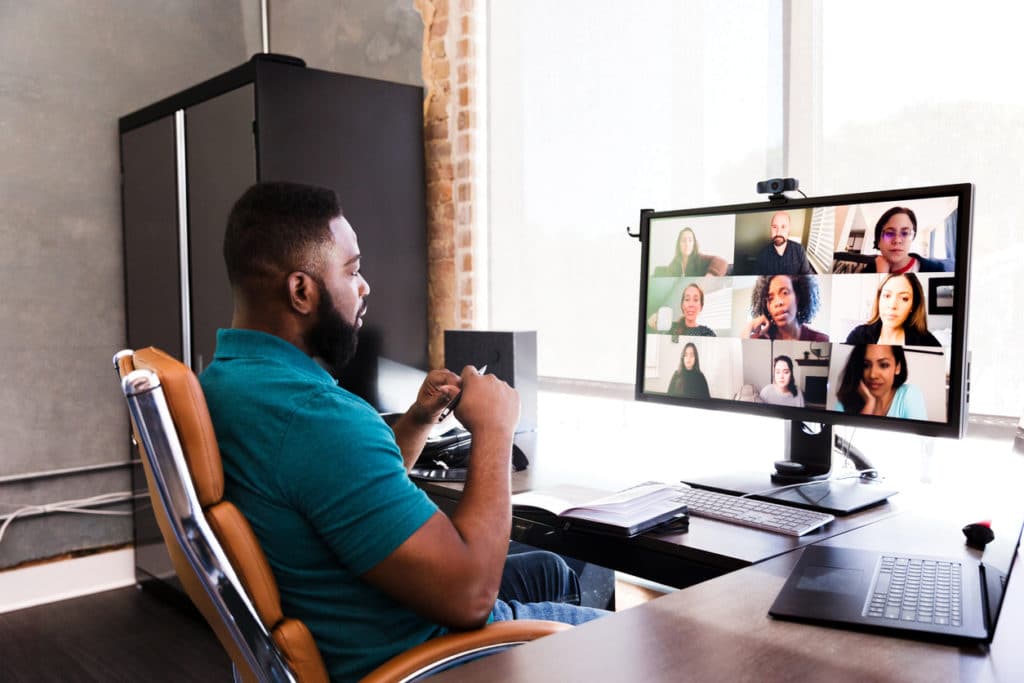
<point x="720" y="630"/>
<point x="709" y="548"/>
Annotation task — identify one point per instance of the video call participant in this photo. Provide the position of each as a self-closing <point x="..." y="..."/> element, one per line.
<point x="898" y="315"/>
<point x="691" y="303"/>
<point x="874" y="382"/>
<point x="782" y="255"/>
<point x="360" y="553"/>
<point x="689" y="261"/>
<point x="688" y="381"/>
<point x="782" y="391"/>
<point x="895" y="232"/>
<point x="781" y="305"/>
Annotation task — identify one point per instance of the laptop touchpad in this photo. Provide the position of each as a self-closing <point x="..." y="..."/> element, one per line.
<point x="830" y="580"/>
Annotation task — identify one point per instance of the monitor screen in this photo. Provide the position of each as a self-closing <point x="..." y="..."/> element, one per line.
<point x="848" y="309"/>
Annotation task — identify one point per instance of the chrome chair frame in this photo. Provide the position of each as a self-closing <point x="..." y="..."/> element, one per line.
<point x="161" y="446"/>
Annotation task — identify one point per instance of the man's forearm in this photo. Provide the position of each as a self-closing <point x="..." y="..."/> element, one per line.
<point x="411" y="432"/>
<point x="483" y="516"/>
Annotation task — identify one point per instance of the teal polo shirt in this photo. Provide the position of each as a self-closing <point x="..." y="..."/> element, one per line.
<point x="321" y="480"/>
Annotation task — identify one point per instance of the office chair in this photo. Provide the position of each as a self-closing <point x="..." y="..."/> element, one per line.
<point x="218" y="558"/>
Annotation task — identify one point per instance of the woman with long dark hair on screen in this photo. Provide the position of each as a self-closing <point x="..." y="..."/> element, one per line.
<point x="782" y="391"/>
<point x="688" y="260"/>
<point x="688" y="381"/>
<point x="782" y="305"/>
<point x="898" y="315"/>
<point x="874" y="382"/>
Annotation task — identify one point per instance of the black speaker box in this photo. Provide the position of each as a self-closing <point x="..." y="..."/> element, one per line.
<point x="512" y="356"/>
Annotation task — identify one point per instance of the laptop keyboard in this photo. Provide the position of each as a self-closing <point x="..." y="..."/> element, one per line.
<point x="782" y="519"/>
<point x="915" y="590"/>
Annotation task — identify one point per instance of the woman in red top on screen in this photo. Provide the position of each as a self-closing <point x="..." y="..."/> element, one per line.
<point x="782" y="305"/>
<point x="898" y="316"/>
<point x="689" y="261"/>
<point x="894" y="236"/>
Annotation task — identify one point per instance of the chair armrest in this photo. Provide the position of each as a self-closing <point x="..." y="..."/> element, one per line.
<point x="449" y="648"/>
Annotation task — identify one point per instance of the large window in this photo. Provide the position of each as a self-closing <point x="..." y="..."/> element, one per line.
<point x="923" y="92"/>
<point x="598" y="109"/>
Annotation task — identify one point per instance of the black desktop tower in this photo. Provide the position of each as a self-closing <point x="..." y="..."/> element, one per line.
<point x="510" y="356"/>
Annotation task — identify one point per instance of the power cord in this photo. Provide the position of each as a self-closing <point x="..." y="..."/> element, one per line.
<point x="864" y="469"/>
<point x="766" y="492"/>
<point x="80" y="506"/>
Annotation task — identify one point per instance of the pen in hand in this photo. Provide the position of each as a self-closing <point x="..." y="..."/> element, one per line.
<point x="448" y="409"/>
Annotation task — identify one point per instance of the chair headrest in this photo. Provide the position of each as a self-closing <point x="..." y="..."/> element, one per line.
<point x="192" y="420"/>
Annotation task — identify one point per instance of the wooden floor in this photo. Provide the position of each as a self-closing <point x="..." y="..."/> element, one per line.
<point x="126" y="634"/>
<point x="130" y="634"/>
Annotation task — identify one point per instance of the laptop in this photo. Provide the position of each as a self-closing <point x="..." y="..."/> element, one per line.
<point x="943" y="599"/>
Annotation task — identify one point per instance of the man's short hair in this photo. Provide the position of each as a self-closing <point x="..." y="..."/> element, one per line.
<point x="278" y="228"/>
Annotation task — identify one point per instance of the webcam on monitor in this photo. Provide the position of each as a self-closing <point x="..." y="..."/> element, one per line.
<point x="777" y="185"/>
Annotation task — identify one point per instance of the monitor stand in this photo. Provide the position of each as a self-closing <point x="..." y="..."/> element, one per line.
<point x="809" y="446"/>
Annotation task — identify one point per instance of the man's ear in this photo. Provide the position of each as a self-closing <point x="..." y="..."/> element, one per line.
<point x="303" y="292"/>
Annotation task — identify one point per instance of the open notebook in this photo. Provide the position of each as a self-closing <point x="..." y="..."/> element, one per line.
<point x="628" y="512"/>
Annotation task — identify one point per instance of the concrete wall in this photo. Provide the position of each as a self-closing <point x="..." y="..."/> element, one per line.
<point x="67" y="72"/>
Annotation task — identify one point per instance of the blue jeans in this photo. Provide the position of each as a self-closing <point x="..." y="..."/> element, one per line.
<point x="540" y="585"/>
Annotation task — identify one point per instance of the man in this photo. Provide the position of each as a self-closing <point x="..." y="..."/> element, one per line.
<point x="782" y="256"/>
<point x="361" y="555"/>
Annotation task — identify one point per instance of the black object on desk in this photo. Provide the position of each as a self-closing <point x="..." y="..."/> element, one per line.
<point x="447" y="457"/>
<point x="952" y="599"/>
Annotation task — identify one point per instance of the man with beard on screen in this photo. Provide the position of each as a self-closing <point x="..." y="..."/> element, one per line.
<point x="361" y="555"/>
<point x="782" y="256"/>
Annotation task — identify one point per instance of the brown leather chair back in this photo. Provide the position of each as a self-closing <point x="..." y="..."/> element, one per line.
<point x="214" y="550"/>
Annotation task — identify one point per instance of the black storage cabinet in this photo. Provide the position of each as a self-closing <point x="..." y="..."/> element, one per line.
<point x="187" y="158"/>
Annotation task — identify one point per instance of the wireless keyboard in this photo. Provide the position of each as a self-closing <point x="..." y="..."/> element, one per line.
<point x="782" y="519"/>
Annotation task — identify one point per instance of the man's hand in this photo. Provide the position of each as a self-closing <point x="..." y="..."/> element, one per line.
<point x="881" y="265"/>
<point x="412" y="429"/>
<point x="487" y="404"/>
<point x="436" y="392"/>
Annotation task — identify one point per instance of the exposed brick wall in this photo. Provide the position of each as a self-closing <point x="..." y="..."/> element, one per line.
<point x="450" y="125"/>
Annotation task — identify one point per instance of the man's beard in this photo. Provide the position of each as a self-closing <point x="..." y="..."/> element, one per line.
<point x="331" y="338"/>
<point x="778" y="240"/>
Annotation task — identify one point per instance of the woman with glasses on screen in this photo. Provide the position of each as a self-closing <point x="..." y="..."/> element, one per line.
<point x="874" y="382"/>
<point x="688" y="381"/>
<point x="782" y="391"/>
<point x="688" y="260"/>
<point x="898" y="315"/>
<point x="691" y="303"/>
<point x="782" y="305"/>
<point x="894" y="235"/>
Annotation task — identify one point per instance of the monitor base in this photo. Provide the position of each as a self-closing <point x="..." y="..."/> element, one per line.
<point x="837" y="496"/>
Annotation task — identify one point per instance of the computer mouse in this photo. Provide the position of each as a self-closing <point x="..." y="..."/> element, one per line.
<point x="519" y="459"/>
<point x="979" y="534"/>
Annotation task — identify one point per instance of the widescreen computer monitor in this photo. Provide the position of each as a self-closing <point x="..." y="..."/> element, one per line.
<point x="846" y="309"/>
